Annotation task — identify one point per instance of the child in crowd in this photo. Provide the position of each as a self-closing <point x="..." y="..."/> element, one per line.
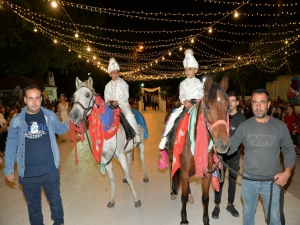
<point x="190" y="89"/>
<point x="116" y="93"/>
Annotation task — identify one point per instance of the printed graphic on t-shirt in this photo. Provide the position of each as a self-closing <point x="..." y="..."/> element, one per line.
<point x="35" y="130"/>
<point x="261" y="140"/>
<point x="232" y="128"/>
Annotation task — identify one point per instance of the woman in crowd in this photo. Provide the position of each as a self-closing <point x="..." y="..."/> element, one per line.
<point x="63" y="108"/>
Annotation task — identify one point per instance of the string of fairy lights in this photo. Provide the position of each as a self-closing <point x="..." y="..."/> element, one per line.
<point x="162" y="58"/>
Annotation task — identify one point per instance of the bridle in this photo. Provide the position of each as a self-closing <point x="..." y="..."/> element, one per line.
<point x="90" y="106"/>
<point x="209" y="126"/>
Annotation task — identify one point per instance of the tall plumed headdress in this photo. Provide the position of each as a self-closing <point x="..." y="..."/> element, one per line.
<point x="189" y="60"/>
<point x="112" y="65"/>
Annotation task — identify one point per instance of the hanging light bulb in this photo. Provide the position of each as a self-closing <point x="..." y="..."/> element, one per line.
<point x="76" y="35"/>
<point x="94" y="57"/>
<point x="69" y="49"/>
<point x="180" y="48"/>
<point x="236" y="14"/>
<point x="98" y="62"/>
<point x="87" y="60"/>
<point x="35" y="30"/>
<point x="192" y="40"/>
<point x="79" y="56"/>
<point x="54" y="4"/>
<point x="88" y="49"/>
<point x="286" y="41"/>
<point x="55" y="41"/>
<point x="170" y="53"/>
<point x="210" y="30"/>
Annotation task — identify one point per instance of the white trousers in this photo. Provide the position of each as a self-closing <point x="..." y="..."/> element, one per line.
<point x="125" y="107"/>
<point x="171" y="120"/>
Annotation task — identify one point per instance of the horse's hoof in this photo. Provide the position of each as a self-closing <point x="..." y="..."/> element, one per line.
<point x="146" y="180"/>
<point x="138" y="203"/>
<point x="184" y="223"/>
<point x="124" y="180"/>
<point x="110" y="204"/>
<point x="173" y="196"/>
<point x="191" y="199"/>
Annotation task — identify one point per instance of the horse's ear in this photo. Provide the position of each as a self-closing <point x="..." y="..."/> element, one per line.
<point x="207" y="83"/>
<point x="77" y="82"/>
<point x="90" y="82"/>
<point x="224" y="83"/>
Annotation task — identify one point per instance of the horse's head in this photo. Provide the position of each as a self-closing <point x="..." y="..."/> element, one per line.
<point x="83" y="100"/>
<point x="215" y="106"/>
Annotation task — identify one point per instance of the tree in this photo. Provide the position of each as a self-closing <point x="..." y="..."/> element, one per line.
<point x="24" y="51"/>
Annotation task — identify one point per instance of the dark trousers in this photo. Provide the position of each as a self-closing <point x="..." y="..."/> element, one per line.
<point x="232" y="162"/>
<point x="32" y="187"/>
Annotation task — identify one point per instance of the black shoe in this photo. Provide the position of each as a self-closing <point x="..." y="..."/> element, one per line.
<point x="216" y="212"/>
<point x="232" y="210"/>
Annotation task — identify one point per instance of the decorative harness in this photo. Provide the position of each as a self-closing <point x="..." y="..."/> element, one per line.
<point x="83" y="120"/>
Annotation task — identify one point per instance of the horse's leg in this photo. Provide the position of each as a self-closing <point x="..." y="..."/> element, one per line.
<point x="205" y="197"/>
<point x="184" y="196"/>
<point x="129" y="159"/>
<point x="175" y="184"/>
<point x="206" y="180"/>
<point x="123" y="161"/>
<point x="191" y="199"/>
<point x="111" y="179"/>
<point x="142" y="156"/>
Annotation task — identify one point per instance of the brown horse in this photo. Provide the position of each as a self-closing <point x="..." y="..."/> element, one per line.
<point x="214" y="106"/>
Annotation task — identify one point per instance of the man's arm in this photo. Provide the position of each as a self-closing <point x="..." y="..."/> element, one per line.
<point x="289" y="155"/>
<point x="11" y="151"/>
<point x="236" y="139"/>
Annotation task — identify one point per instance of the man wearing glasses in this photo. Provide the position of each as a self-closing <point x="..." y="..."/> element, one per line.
<point x="264" y="137"/>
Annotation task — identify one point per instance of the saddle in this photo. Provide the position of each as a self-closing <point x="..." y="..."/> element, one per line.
<point x="172" y="133"/>
<point x="129" y="131"/>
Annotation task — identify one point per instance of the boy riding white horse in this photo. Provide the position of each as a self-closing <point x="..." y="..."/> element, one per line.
<point x="116" y="94"/>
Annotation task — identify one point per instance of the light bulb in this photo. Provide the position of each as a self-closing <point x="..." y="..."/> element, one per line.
<point x="210" y="30"/>
<point x="76" y="35"/>
<point x="35" y="30"/>
<point x="54" y="4"/>
<point x="236" y="14"/>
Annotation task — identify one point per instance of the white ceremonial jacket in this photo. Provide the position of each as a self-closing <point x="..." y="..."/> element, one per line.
<point x="116" y="90"/>
<point x="190" y="88"/>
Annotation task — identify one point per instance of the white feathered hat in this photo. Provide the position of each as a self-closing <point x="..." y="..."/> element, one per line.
<point x="112" y="65"/>
<point x="189" y="60"/>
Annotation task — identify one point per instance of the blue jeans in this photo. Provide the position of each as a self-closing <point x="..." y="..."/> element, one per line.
<point x="250" y="192"/>
<point x="32" y="190"/>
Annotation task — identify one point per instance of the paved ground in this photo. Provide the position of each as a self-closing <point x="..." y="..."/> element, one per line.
<point x="85" y="192"/>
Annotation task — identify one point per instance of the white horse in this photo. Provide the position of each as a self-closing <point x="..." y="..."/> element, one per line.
<point x="84" y="101"/>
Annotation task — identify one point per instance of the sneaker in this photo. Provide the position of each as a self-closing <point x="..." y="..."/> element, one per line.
<point x="215" y="212"/>
<point x="137" y="139"/>
<point x="162" y="143"/>
<point x="232" y="210"/>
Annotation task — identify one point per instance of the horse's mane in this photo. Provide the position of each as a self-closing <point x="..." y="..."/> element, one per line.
<point x="212" y="93"/>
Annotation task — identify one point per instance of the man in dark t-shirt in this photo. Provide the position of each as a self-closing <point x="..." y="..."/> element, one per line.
<point x="32" y="144"/>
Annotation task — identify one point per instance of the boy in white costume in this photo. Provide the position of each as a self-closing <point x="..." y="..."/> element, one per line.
<point x="116" y="94"/>
<point x="190" y="88"/>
